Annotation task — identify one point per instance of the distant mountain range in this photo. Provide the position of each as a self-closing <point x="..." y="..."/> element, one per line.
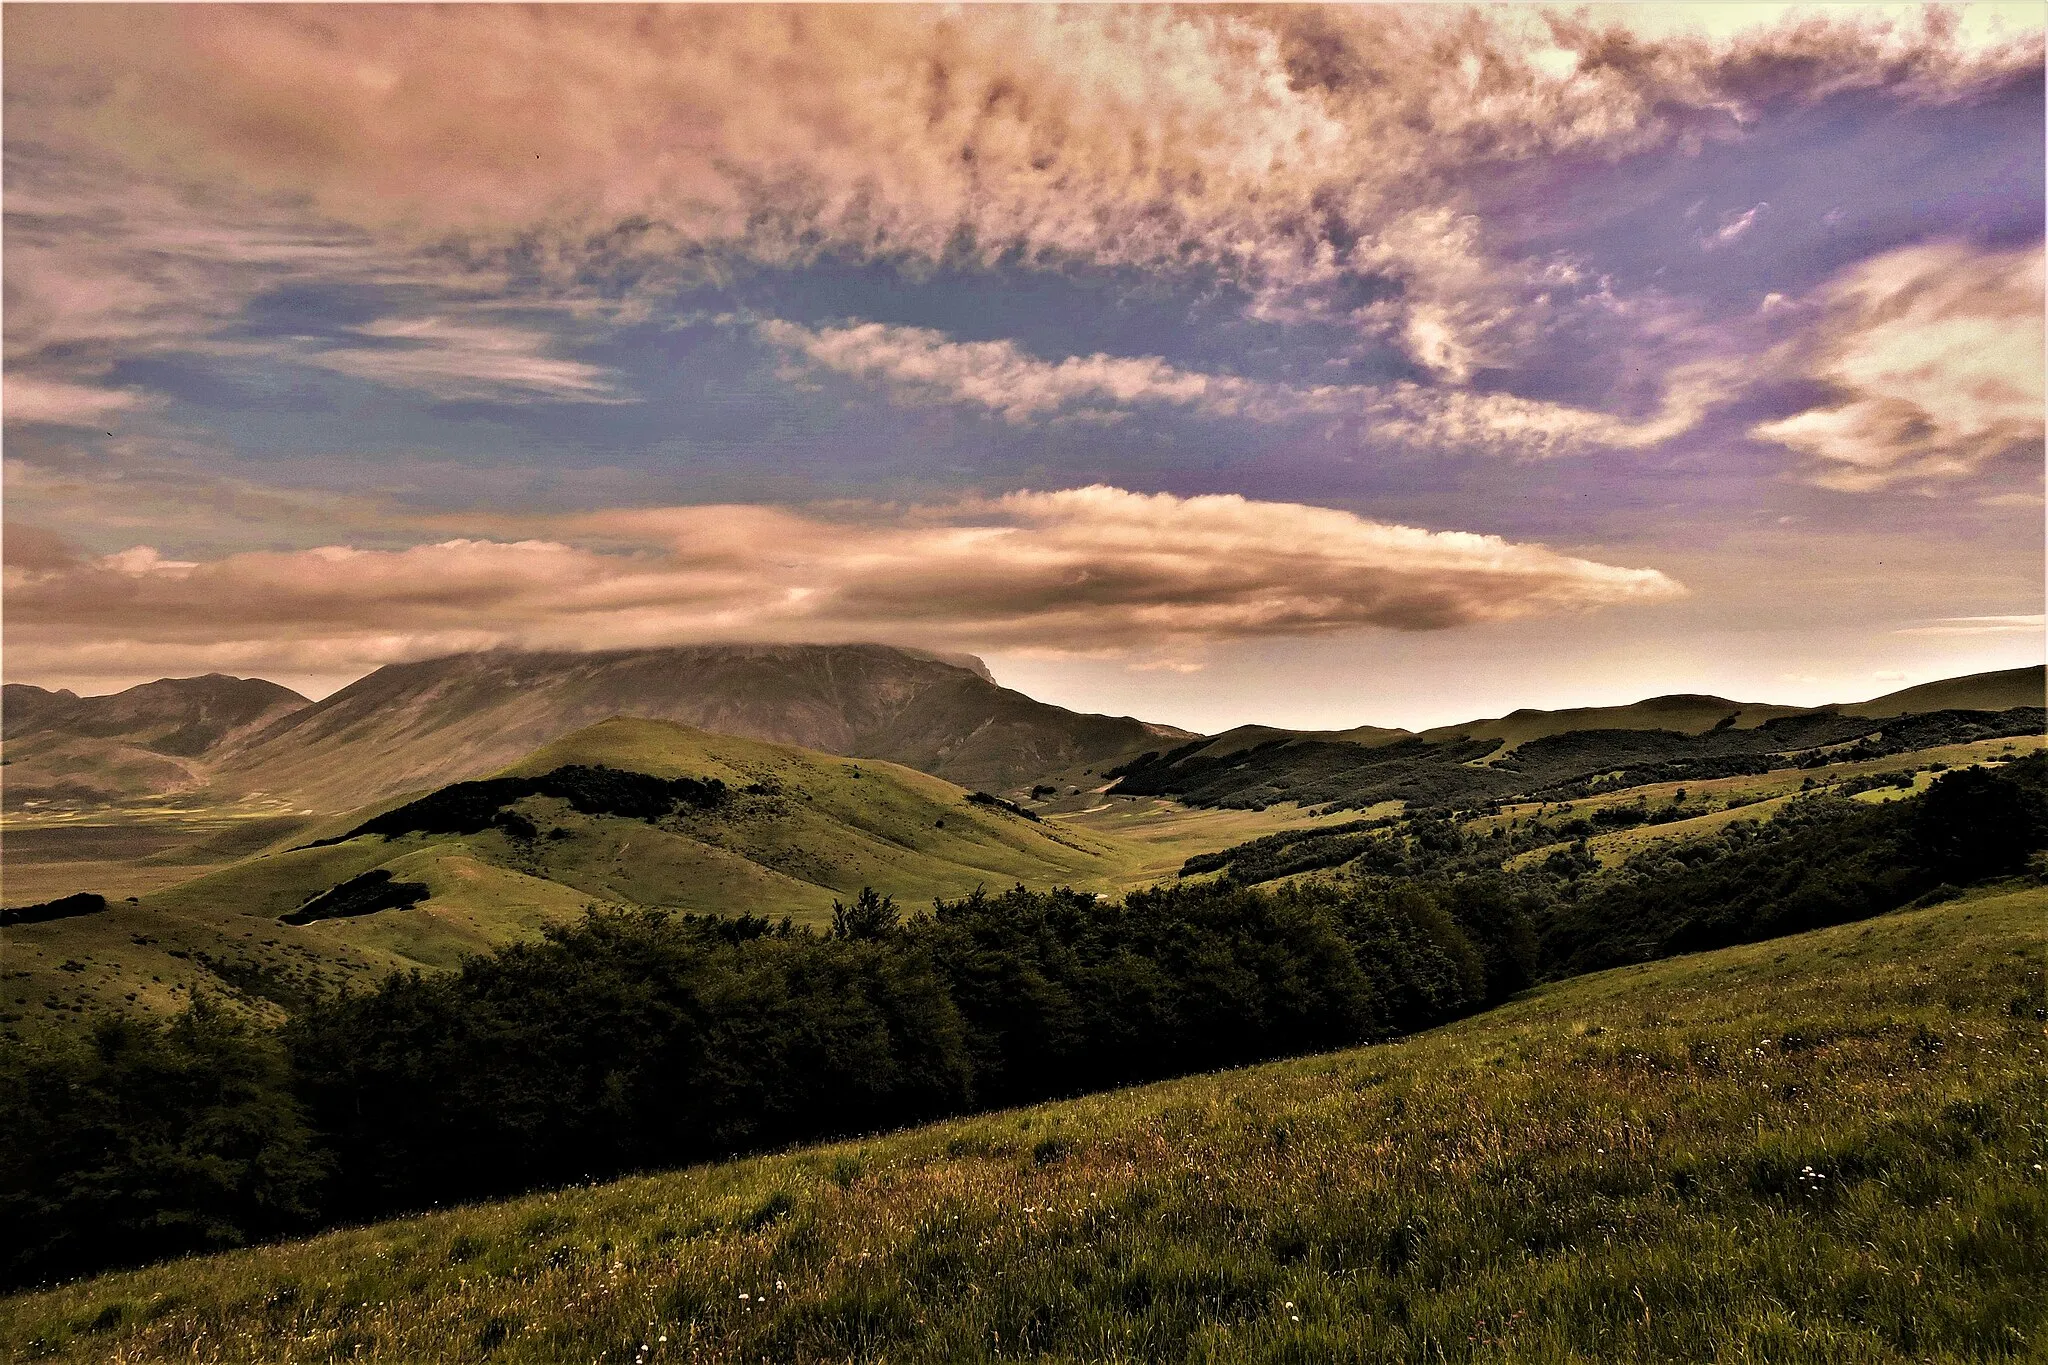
<point x="409" y="727"/>
<point x="152" y="739"/>
<point x="1563" y="754"/>
<point x="412" y="726"/>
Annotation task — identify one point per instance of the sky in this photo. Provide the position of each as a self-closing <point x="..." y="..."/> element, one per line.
<point x="1313" y="367"/>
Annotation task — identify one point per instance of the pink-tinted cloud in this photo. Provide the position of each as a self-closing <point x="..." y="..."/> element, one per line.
<point x="36" y="398"/>
<point x="1088" y="570"/>
<point x="1934" y="354"/>
<point x="455" y="360"/>
<point x="1147" y="137"/>
<point x="920" y="366"/>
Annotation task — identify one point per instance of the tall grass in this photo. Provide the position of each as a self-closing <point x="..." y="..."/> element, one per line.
<point x="1827" y="1148"/>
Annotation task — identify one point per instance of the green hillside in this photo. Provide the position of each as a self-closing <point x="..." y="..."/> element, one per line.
<point x="1818" y="1149"/>
<point x="799" y="830"/>
<point x="1570" y="755"/>
<point x="130" y="793"/>
<point x="1979" y="692"/>
<point x="1685" y="713"/>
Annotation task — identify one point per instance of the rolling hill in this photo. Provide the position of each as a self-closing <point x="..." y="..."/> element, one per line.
<point x="791" y="831"/>
<point x="1998" y="691"/>
<point x="1574" y="753"/>
<point x="150" y="740"/>
<point x="1793" y="1150"/>
<point x="125" y="795"/>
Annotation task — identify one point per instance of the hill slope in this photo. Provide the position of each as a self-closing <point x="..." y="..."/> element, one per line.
<point x="795" y="830"/>
<point x="1565" y="755"/>
<point x="410" y="726"/>
<point x="1978" y="692"/>
<point x="149" y="740"/>
<point x="1793" y="1150"/>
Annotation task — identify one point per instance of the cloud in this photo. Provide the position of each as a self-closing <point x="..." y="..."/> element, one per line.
<point x="1933" y="356"/>
<point x="921" y="366"/>
<point x="458" y="361"/>
<point x="37" y="550"/>
<point x="1093" y="570"/>
<point x="1288" y="150"/>
<point x="33" y="398"/>
<point x="1982" y="625"/>
<point x="1733" y="226"/>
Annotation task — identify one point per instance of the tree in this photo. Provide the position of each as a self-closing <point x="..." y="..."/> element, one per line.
<point x="871" y="916"/>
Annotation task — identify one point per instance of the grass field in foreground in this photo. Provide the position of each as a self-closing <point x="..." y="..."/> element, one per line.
<point x="1822" y="1148"/>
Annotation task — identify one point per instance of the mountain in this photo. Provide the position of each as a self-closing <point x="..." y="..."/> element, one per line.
<point x="411" y="726"/>
<point x="151" y="739"/>
<point x="1565" y="754"/>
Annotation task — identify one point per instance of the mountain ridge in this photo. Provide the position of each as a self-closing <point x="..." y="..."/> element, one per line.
<point x="408" y="726"/>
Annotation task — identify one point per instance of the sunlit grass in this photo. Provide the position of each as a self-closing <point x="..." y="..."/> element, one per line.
<point x="1825" y="1148"/>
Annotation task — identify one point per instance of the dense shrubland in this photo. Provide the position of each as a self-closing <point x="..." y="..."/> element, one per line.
<point x="632" y="1041"/>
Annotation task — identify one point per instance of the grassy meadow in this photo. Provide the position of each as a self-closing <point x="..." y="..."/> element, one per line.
<point x="1751" y="797"/>
<point x="1824" y="1148"/>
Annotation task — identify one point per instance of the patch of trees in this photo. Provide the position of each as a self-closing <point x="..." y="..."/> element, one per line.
<point x="1278" y="855"/>
<point x="1822" y="860"/>
<point x="64" y="907"/>
<point x="1319" y="772"/>
<point x="1002" y="803"/>
<point x="361" y="895"/>
<point x="642" y="1039"/>
<point x="472" y="807"/>
<point x="1931" y="730"/>
<point x="150" y="1139"/>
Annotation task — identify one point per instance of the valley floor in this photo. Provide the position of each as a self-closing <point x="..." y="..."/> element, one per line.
<point x="1821" y="1148"/>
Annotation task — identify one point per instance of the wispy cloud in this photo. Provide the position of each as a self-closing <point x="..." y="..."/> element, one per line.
<point x="919" y="366"/>
<point x="1982" y="625"/>
<point x="456" y="361"/>
<point x="35" y="398"/>
<point x="1086" y="570"/>
<point x="1290" y="150"/>
<point x="1934" y="355"/>
<point x="1733" y="227"/>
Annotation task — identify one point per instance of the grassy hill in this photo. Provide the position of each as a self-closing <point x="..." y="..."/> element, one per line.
<point x="134" y="808"/>
<point x="1818" y="1149"/>
<point x="1567" y="755"/>
<point x="1979" y="692"/>
<point x="149" y="740"/>
<point x="799" y="830"/>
